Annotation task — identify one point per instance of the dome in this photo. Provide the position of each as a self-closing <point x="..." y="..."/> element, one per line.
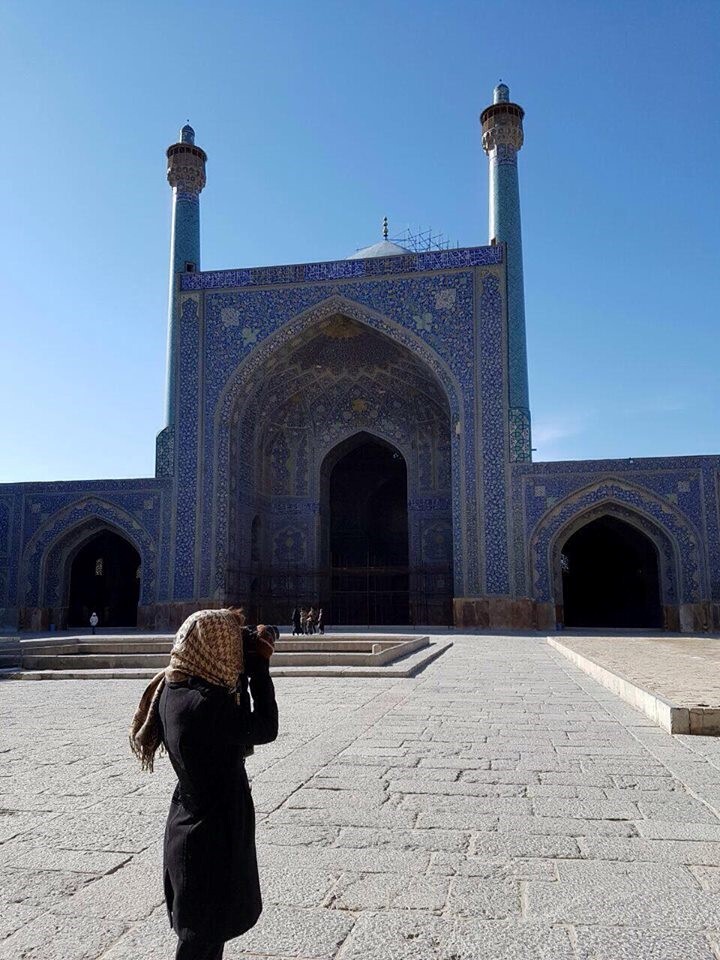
<point x="385" y="248"/>
<point x="187" y="134"/>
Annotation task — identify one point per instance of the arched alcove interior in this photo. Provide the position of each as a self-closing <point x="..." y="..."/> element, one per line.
<point x="333" y="381"/>
<point x="610" y="576"/>
<point x="104" y="578"/>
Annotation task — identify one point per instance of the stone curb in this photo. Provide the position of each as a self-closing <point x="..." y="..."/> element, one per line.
<point x="696" y="720"/>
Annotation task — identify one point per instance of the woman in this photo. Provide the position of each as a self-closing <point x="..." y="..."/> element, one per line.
<point x="199" y="708"/>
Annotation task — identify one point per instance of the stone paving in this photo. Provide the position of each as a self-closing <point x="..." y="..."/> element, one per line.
<point x="500" y="806"/>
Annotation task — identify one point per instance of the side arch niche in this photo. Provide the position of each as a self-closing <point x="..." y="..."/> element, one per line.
<point x="61" y="576"/>
<point x="610" y="575"/>
<point x="336" y="386"/>
<point x="103" y="577"/>
<point x="626" y="557"/>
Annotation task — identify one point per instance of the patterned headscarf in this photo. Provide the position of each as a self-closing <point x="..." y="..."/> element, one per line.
<point x="208" y="645"/>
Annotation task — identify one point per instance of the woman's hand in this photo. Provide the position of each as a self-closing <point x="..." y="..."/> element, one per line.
<point x="267" y="635"/>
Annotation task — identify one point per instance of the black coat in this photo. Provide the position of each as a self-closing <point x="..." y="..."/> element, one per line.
<point x="212" y="888"/>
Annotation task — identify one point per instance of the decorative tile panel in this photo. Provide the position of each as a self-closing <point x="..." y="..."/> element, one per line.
<point x="344" y="269"/>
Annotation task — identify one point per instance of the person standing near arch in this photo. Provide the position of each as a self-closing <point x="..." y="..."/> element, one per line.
<point x="213" y="703"/>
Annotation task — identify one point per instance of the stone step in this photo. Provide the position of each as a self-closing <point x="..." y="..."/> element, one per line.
<point x="148" y="646"/>
<point x="291" y="654"/>
<point x="408" y="665"/>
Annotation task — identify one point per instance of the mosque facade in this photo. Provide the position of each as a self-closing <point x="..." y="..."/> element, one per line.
<point x="356" y="435"/>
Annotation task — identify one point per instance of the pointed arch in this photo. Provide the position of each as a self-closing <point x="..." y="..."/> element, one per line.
<point x="44" y="565"/>
<point x="260" y="364"/>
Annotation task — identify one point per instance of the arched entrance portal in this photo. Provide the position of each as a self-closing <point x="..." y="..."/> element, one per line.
<point x="610" y="577"/>
<point x="368" y="520"/>
<point x="105" y="578"/>
<point x="334" y="386"/>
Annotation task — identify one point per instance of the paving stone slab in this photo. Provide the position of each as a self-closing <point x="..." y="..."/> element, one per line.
<point x="289" y="931"/>
<point x="586" y="809"/>
<point x="488" y="845"/>
<point x="617" y="943"/>
<point x="708" y="878"/>
<point x="632" y="895"/>
<point x="279" y="834"/>
<point x="43" y="888"/>
<point x="431" y="804"/>
<point x="393" y="936"/>
<point x="102" y="831"/>
<point x="150" y="939"/>
<point x="386" y="816"/>
<point x="685" y="809"/>
<point x="39" y="856"/>
<point x="635" y="850"/>
<point x="359" y="837"/>
<point x="52" y="937"/>
<point x="381" y="891"/>
<point x="566" y="826"/>
<point x="128" y="894"/>
<point x="297" y="888"/>
<point x="16" y="915"/>
<point x="385" y="860"/>
<point x="491" y="899"/>
<point x="677" y="830"/>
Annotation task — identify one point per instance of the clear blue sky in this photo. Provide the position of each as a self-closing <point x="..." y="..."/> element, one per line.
<point x="319" y="118"/>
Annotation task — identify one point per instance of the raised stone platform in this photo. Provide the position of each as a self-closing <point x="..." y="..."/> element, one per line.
<point x="139" y="656"/>
<point x="674" y="680"/>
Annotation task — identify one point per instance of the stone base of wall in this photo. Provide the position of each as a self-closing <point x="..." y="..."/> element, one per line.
<point x="9" y="618"/>
<point x="494" y="613"/>
<point x="36" y="619"/>
<point x="698" y="617"/>
<point x="502" y="613"/>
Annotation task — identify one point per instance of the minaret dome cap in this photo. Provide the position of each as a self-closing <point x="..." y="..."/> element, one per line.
<point x="187" y="134"/>
<point x="501" y="93"/>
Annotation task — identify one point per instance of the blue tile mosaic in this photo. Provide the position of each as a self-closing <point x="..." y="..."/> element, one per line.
<point x="343" y="269"/>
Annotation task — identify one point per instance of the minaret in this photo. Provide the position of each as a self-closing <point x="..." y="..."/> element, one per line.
<point x="186" y="176"/>
<point x="502" y="137"/>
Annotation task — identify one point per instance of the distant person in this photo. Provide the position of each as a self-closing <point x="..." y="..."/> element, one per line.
<point x="94" y="621"/>
<point x="311" y="620"/>
<point x="303" y="619"/>
<point x="321" y="621"/>
<point x="296" y="622"/>
<point x="199" y="708"/>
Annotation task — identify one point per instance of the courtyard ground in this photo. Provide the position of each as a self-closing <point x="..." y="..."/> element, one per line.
<point x="500" y="806"/>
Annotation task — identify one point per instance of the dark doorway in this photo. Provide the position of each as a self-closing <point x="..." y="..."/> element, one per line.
<point x="369" y="536"/>
<point x="105" y="578"/>
<point x="610" y="577"/>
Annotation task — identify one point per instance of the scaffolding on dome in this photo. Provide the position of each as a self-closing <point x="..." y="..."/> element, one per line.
<point x="423" y="241"/>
